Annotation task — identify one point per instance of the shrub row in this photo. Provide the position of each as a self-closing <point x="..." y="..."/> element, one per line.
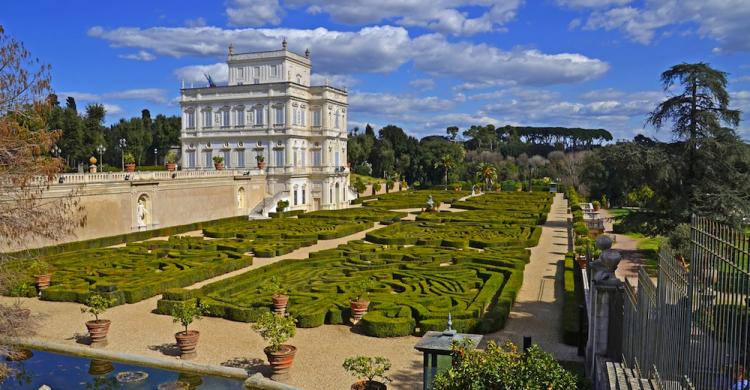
<point x="570" y="320"/>
<point x="413" y="199"/>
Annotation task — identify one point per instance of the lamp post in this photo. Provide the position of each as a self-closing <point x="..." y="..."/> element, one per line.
<point x="101" y="149"/>
<point x="156" y="157"/>
<point x="123" y="143"/>
<point x="55" y="150"/>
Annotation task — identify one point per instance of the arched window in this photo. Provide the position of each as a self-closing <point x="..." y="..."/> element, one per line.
<point x="299" y="79"/>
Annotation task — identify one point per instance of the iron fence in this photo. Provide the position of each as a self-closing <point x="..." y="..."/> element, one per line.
<point x="691" y="328"/>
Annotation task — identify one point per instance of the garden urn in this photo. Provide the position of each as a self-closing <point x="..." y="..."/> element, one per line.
<point x="281" y="360"/>
<point x="219" y="166"/>
<point x="279" y="303"/>
<point x="130" y="167"/>
<point x="187" y="341"/>
<point x="43" y="281"/>
<point x="98" y="330"/>
<point x="359" y="308"/>
<point x="171" y="167"/>
<point x="369" y="385"/>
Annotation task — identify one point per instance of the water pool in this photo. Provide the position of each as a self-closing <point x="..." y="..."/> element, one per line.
<point x="70" y="372"/>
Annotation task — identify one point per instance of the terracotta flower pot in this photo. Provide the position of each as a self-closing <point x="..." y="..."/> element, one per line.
<point x="281" y="360"/>
<point x="359" y="308"/>
<point x="130" y="167"/>
<point x="98" y="330"/>
<point x="369" y="385"/>
<point x="279" y="303"/>
<point x="100" y="367"/>
<point x="219" y="166"/>
<point x="262" y="165"/>
<point x="171" y="167"/>
<point x="43" y="281"/>
<point x="188" y="343"/>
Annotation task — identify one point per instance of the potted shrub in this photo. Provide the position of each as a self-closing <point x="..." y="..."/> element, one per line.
<point x="129" y="162"/>
<point x="281" y="206"/>
<point x="366" y="369"/>
<point x="185" y="314"/>
<point x="171" y="159"/>
<point x="92" y="167"/>
<point x="359" y="303"/>
<point x="261" y="160"/>
<point x="279" y="297"/>
<point x="42" y="272"/>
<point x="276" y="330"/>
<point x="218" y="162"/>
<point x="97" y="304"/>
<point x="596" y="205"/>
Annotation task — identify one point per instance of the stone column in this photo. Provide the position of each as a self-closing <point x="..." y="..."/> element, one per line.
<point x="605" y="311"/>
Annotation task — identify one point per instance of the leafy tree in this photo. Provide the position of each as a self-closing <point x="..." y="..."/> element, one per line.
<point x="502" y="368"/>
<point x="487" y="174"/>
<point x="452" y="131"/>
<point x="446" y="163"/>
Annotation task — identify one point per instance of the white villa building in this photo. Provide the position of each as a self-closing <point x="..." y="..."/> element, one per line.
<point x="268" y="108"/>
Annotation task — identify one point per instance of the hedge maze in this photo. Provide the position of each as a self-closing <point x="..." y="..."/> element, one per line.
<point x="139" y="270"/>
<point x="357" y="214"/>
<point x="420" y="271"/>
<point x="413" y="199"/>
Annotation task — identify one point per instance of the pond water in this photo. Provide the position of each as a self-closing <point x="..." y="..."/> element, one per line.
<point x="70" y="372"/>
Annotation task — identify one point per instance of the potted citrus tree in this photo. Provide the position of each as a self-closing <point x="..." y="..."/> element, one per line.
<point x="185" y="313"/>
<point x="98" y="328"/>
<point x="261" y="160"/>
<point x="276" y="330"/>
<point x="171" y="159"/>
<point x="218" y="162"/>
<point x="129" y="162"/>
<point x="42" y="273"/>
<point x="359" y="302"/>
<point x="279" y="297"/>
<point x="281" y="206"/>
<point x="366" y="369"/>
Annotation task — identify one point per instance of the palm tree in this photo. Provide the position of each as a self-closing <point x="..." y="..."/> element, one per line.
<point x="487" y="173"/>
<point x="446" y="162"/>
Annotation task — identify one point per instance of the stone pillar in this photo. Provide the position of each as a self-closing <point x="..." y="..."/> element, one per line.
<point x="605" y="311"/>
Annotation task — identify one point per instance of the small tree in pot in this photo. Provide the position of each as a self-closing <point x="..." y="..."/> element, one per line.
<point x="359" y="302"/>
<point x="185" y="313"/>
<point x="171" y="159"/>
<point x="276" y="330"/>
<point x="129" y="162"/>
<point x="97" y="304"/>
<point x="42" y="273"/>
<point x="279" y="297"/>
<point x="261" y="160"/>
<point x="218" y="162"/>
<point x="366" y="369"/>
<point x="281" y="206"/>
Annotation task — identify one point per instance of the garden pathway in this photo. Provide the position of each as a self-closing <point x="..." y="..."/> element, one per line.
<point x="632" y="259"/>
<point x="538" y="307"/>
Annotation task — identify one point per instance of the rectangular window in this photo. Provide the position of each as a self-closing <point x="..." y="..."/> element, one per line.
<point x="302" y="115"/>
<point x="337" y="120"/>
<point x="303" y="154"/>
<point x="207" y="159"/>
<point x="225" y="118"/>
<point x="336" y="158"/>
<point x="279" y="156"/>
<point x="316" y="118"/>
<point x="278" y="115"/>
<point x="274" y="71"/>
<point x="256" y="71"/>
<point x="240" y="118"/>
<point x="240" y="73"/>
<point x="258" y="115"/>
<point x="240" y="158"/>
<point x="317" y="158"/>
<point x="304" y="196"/>
<point x="295" y="196"/>
<point x="227" y="158"/>
<point x="191" y="159"/>
<point x="207" y="119"/>
<point x="190" y="119"/>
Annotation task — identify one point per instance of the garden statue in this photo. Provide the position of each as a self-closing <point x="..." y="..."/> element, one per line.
<point x="141" y="213"/>
<point x="430" y="203"/>
<point x="603" y="268"/>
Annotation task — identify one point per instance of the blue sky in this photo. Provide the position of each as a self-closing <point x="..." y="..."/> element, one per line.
<point x="420" y="64"/>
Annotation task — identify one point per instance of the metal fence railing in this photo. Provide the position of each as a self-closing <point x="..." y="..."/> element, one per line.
<point x="691" y="329"/>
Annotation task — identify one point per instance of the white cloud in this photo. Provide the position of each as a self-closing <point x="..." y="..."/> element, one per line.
<point x="724" y="21"/>
<point x="112" y="109"/>
<point x="142" y="55"/>
<point x="197" y="22"/>
<point x="396" y="106"/>
<point x="219" y="72"/>
<point x="422" y="84"/>
<point x="446" y="16"/>
<point x="154" y="95"/>
<point x="482" y="62"/>
<point x="254" y="12"/>
<point x="591" y="3"/>
<point x="371" y="49"/>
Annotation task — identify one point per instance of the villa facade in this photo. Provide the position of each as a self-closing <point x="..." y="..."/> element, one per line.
<point x="268" y="108"/>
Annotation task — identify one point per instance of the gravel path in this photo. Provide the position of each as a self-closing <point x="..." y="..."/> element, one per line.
<point x="321" y="351"/>
<point x="632" y="259"/>
<point x="536" y="312"/>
